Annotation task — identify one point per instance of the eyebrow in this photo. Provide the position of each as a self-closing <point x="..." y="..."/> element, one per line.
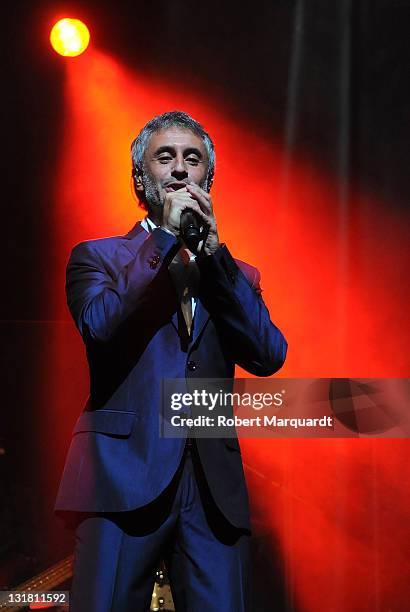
<point x="169" y="149"/>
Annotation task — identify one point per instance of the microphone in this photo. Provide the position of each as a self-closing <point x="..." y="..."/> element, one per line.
<point x="190" y="229"/>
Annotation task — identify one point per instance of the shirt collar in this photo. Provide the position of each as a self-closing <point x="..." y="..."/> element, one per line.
<point x="148" y="225"/>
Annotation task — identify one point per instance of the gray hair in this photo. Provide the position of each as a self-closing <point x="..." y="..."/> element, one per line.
<point x="166" y="120"/>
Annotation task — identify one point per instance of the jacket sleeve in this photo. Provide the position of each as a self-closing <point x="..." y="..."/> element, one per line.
<point x="98" y="302"/>
<point x="240" y="315"/>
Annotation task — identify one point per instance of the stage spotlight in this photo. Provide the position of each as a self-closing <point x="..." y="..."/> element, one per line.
<point x="70" y="37"/>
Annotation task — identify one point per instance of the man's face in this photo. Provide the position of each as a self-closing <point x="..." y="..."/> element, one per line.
<point x="173" y="158"/>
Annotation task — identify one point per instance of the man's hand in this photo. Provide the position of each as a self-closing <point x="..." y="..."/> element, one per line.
<point x="198" y="200"/>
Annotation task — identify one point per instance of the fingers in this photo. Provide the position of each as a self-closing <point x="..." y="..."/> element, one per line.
<point x="181" y="199"/>
<point x="198" y="200"/>
<point x="202" y="197"/>
<point x="175" y="203"/>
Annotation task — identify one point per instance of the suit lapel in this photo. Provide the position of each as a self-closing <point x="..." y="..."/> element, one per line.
<point x="129" y="247"/>
<point x="175" y="321"/>
<point x="200" y="319"/>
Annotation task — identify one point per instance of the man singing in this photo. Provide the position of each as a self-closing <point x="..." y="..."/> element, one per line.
<point x="148" y="308"/>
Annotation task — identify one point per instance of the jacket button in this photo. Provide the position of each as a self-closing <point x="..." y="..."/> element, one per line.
<point x="192" y="366"/>
<point x="154" y="262"/>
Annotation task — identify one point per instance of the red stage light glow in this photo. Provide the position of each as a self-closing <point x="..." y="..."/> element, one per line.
<point x="333" y="511"/>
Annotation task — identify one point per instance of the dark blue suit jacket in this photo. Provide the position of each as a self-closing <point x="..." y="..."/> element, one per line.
<point x="124" y="304"/>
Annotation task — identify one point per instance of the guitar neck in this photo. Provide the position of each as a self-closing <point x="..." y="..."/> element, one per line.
<point x="47" y="580"/>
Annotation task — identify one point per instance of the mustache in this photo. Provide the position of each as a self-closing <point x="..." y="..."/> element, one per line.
<point x="171" y="182"/>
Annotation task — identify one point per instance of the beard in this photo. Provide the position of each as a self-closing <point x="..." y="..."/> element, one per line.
<point x="152" y="194"/>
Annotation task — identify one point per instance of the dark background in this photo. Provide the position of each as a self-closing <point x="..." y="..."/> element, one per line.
<point x="328" y="79"/>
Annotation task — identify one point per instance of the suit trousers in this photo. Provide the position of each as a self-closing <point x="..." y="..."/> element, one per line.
<point x="116" y="554"/>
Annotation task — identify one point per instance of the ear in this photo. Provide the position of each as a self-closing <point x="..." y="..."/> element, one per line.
<point x="137" y="181"/>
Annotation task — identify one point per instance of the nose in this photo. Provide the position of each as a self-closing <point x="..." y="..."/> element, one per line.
<point x="179" y="170"/>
